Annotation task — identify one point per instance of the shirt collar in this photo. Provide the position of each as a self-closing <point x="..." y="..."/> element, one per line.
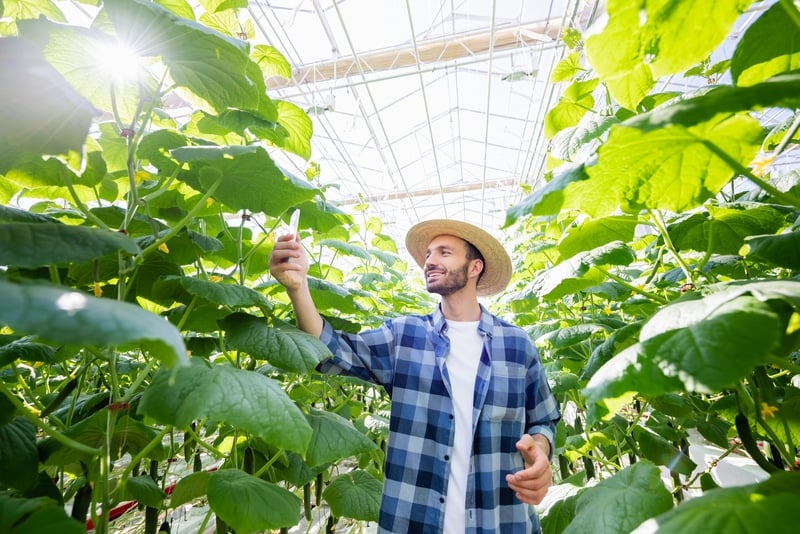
<point x="484" y="325"/>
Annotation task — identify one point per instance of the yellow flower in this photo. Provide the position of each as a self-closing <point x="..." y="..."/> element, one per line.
<point x="768" y="411"/>
<point x="215" y="278"/>
<point x="98" y="291"/>
<point x="607" y="310"/>
<point x="164" y="248"/>
<point x="760" y="165"/>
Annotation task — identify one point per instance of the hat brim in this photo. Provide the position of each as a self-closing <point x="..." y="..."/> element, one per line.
<point x="497" y="263"/>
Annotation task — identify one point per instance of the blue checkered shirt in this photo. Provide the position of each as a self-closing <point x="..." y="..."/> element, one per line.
<point x="407" y="356"/>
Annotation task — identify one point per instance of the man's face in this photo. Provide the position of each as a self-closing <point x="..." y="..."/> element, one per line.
<point x="446" y="265"/>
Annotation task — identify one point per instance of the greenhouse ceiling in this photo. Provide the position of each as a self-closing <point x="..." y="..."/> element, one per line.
<point x="421" y="108"/>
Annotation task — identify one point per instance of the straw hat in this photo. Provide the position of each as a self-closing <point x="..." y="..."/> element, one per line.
<point x="497" y="264"/>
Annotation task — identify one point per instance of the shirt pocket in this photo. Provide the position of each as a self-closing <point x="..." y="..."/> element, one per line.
<point x="506" y="397"/>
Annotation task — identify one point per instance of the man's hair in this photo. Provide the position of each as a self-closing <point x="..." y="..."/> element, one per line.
<point x="474" y="254"/>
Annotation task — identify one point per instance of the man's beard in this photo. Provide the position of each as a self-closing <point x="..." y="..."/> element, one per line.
<point x="448" y="282"/>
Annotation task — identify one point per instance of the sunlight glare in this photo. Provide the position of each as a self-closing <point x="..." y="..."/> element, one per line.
<point x="117" y="60"/>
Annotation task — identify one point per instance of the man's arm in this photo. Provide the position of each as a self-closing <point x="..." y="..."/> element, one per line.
<point x="288" y="263"/>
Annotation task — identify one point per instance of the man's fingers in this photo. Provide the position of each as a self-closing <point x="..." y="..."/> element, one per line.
<point x="527" y="447"/>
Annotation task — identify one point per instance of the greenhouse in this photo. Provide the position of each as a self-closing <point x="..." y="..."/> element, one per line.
<point x="307" y="266"/>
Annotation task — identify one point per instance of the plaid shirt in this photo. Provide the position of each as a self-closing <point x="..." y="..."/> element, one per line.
<point x="407" y="357"/>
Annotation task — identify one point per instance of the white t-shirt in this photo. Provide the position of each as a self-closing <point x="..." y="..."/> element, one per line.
<point x="466" y="346"/>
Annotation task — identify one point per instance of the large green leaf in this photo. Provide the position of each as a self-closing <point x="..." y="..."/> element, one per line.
<point x="725" y="229"/>
<point x="72" y="317"/>
<point x="593" y="233"/>
<point x="672" y="168"/>
<point x="661" y="452"/>
<point x="548" y="199"/>
<point x="144" y="490"/>
<point x="768" y="47"/>
<point x="18" y="454"/>
<point x="782" y="250"/>
<point x="567" y="143"/>
<point x="619" y="504"/>
<point x="577" y="272"/>
<point x="644" y="40"/>
<point x="35" y="245"/>
<point x="232" y="295"/>
<point x="283" y="346"/>
<point x="299" y="127"/>
<point x="714" y="342"/>
<point x="250" y="179"/>
<point x="356" y="495"/>
<point x="221" y="394"/>
<point x="575" y="102"/>
<point x="779" y="91"/>
<point x="770" y="506"/>
<point x="26" y="350"/>
<point x="40" y="112"/>
<point x="250" y="504"/>
<point x="334" y="438"/>
<point x="129" y="436"/>
<point x="32" y="515"/>
<point x="214" y="67"/>
<point x="189" y="488"/>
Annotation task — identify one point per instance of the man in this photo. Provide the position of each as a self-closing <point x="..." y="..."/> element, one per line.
<point x="472" y="419"/>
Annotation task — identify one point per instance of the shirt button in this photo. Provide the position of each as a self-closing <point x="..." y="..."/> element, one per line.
<point x="446" y="458"/>
<point x="452" y="417"/>
<point x="441" y="500"/>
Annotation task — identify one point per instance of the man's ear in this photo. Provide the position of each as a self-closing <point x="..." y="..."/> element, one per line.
<point x="477" y="267"/>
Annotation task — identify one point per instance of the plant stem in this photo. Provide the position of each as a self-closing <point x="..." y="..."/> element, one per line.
<point x="80" y="205"/>
<point x="662" y="229"/>
<point x="183" y="222"/>
<point x="271" y="461"/>
<point x="138" y="381"/>
<point x="782" y="363"/>
<point x="628" y="285"/>
<point x="41" y="425"/>
<point x="144" y="452"/>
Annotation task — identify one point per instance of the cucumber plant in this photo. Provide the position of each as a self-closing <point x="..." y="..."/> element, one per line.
<point x="139" y="330"/>
<point x="659" y="267"/>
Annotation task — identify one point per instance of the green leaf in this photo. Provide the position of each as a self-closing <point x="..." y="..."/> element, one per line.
<point x="249" y="504"/>
<point x="36" y="244"/>
<point x="197" y="58"/>
<point x="768" y="47"/>
<point x="40" y="112"/>
<point x="283" y="346"/>
<point x="299" y="126"/>
<point x="144" y="490"/>
<point x="596" y="232"/>
<point x="622" y="502"/>
<point x="575" y="102"/>
<point x="618" y="340"/>
<point x="672" y="168"/>
<point x="28" y="351"/>
<point x="567" y="144"/>
<point x="328" y="296"/>
<point x="714" y="342"/>
<point x="779" y="91"/>
<point x="244" y="399"/>
<point x="190" y="488"/>
<point x="661" y="452"/>
<point x="577" y="273"/>
<point x="782" y="250"/>
<point x="9" y="214"/>
<point x="129" y="436"/>
<point x="225" y="294"/>
<point x="250" y="180"/>
<point x="33" y="515"/>
<point x="356" y="495"/>
<point x="547" y="200"/>
<point x="32" y="9"/>
<point x="567" y="69"/>
<point x="645" y="40"/>
<point x="18" y="454"/>
<point x="334" y="438"/>
<point x="570" y="335"/>
<point x="72" y="317"/>
<point x="271" y="61"/>
<point x="725" y="229"/>
<point x="765" y="507"/>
